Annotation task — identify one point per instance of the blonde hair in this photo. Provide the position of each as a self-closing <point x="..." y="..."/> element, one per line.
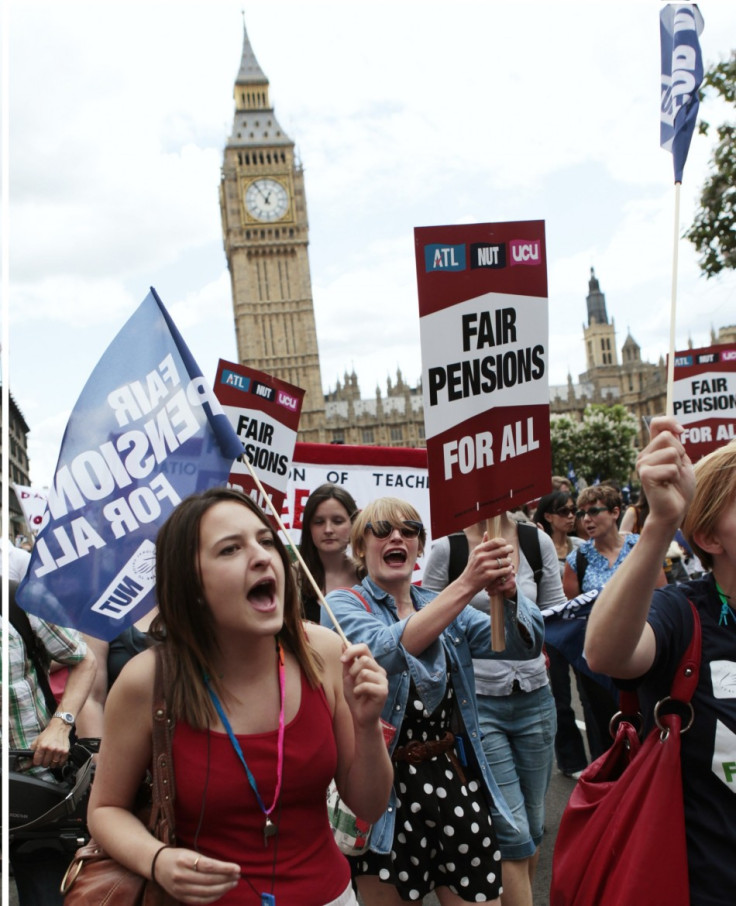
<point x="715" y="488"/>
<point x="390" y="509"/>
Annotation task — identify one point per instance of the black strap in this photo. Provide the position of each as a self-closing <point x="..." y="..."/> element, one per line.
<point x="459" y="552"/>
<point x="529" y="544"/>
<point x="22" y="625"/>
<point x="581" y="564"/>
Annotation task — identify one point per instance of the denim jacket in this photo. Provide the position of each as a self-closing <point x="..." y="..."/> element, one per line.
<point x="467" y="637"/>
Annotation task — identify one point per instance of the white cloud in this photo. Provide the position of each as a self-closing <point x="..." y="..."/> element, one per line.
<point x="405" y="114"/>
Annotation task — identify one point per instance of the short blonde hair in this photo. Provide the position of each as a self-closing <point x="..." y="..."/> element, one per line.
<point x="390" y="509"/>
<point x="715" y="489"/>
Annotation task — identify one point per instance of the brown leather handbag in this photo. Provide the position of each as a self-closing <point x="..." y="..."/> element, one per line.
<point x="93" y="877"/>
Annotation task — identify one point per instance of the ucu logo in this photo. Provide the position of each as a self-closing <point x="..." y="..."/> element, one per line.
<point x="525" y="251"/>
<point x="290" y="402"/>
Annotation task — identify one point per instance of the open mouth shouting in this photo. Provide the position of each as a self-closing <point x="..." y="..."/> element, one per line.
<point x="395" y="557"/>
<point x="262" y="596"/>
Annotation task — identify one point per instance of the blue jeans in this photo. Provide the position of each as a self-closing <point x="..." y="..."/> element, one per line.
<point x="518" y="740"/>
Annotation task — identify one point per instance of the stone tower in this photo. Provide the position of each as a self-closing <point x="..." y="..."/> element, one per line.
<point x="266" y="234"/>
<point x="600" y="334"/>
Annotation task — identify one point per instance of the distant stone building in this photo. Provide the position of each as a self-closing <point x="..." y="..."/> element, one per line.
<point x="395" y="419"/>
<point x="266" y="235"/>
<point x="639" y="386"/>
<point x="17" y="457"/>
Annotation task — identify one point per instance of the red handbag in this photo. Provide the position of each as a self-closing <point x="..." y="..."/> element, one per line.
<point x="621" y="840"/>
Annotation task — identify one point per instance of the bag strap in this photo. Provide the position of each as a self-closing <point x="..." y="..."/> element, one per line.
<point x="685" y="680"/>
<point x="358" y="595"/>
<point x="688" y="671"/>
<point x="161" y="822"/>
<point x="531" y="548"/>
<point x="459" y="550"/>
<point x="581" y="564"/>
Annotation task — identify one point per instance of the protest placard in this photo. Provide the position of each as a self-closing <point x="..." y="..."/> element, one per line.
<point x="146" y="431"/>
<point x="704" y="397"/>
<point x="264" y="413"/>
<point x="33" y="505"/>
<point x="365" y="472"/>
<point x="484" y="336"/>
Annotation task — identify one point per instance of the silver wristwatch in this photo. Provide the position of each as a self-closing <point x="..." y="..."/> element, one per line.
<point x="66" y="716"/>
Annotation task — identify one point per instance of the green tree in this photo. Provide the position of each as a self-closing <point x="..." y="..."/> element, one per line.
<point x="563" y="432"/>
<point x="600" y="447"/>
<point x="713" y="232"/>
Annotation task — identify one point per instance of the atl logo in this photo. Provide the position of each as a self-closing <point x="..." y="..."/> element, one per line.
<point x="525" y="251"/>
<point x="444" y="257"/>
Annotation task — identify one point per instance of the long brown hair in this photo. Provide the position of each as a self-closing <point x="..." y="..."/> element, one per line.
<point x="185" y="624"/>
<point x="307" y="547"/>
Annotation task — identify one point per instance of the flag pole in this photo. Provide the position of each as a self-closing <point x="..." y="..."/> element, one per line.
<point x="282" y="528"/>
<point x="498" y="631"/>
<point x="680" y="25"/>
<point x="673" y="306"/>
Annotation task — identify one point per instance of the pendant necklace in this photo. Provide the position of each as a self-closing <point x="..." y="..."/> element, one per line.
<point x="269" y="828"/>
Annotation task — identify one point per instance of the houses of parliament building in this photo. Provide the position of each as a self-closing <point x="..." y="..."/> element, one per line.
<point x="266" y="236"/>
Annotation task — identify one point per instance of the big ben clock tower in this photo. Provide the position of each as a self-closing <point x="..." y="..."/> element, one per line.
<point x="265" y="229"/>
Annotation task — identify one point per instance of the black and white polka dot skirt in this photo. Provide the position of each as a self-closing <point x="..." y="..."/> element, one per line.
<point x="443" y="835"/>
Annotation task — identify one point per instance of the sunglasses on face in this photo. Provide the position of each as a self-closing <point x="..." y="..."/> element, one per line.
<point x="592" y="511"/>
<point x="565" y="511"/>
<point x="383" y="528"/>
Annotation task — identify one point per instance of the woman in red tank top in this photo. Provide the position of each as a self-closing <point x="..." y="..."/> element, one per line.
<point x="264" y="718"/>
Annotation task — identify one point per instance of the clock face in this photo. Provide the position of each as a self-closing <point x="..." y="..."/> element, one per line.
<point x="267" y="200"/>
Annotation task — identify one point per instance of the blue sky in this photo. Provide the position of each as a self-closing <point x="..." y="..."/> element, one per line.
<point x="405" y="114"/>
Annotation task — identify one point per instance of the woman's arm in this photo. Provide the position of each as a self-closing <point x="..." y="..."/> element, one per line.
<point x="619" y="641"/>
<point x="482" y="571"/>
<point x="125" y="755"/>
<point x="359" y="689"/>
<point x="51" y="746"/>
<point x="570" y="582"/>
<point x="629" y="521"/>
<point x="90" y="719"/>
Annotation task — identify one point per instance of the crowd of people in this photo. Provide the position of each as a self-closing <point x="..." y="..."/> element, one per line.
<point x="443" y="743"/>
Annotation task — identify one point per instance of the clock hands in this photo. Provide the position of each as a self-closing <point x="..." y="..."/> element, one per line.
<point x="261" y="193"/>
<point x="273" y="203"/>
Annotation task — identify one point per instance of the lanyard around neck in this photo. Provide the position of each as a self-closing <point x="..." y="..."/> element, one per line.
<point x="726" y="610"/>
<point x="269" y="829"/>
